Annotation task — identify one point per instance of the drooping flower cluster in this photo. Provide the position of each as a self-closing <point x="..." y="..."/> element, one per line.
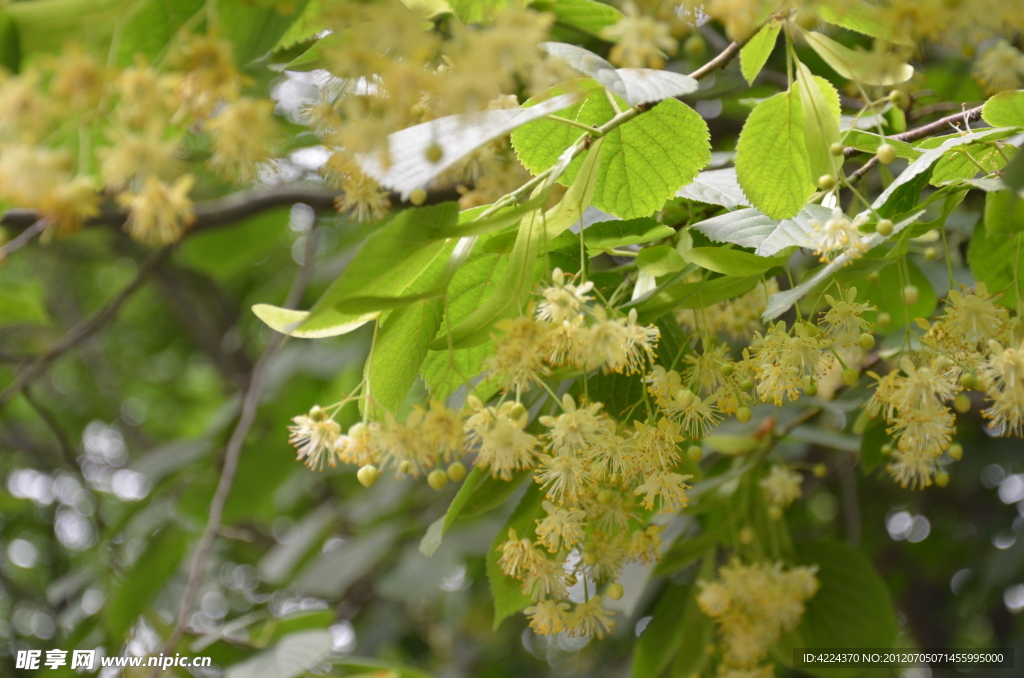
<point x="134" y="127"/>
<point x="970" y="346"/>
<point x="753" y="605"/>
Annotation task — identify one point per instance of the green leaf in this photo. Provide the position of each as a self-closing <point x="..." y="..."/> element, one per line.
<point x="771" y="157"/>
<point x="632" y="85"/>
<point x="478" y="494"/>
<point x="399" y="351"/>
<point x="506" y="591"/>
<point x="780" y="302"/>
<point x="477" y="11"/>
<point x="471" y="285"/>
<point x="956" y="165"/>
<point x="287" y="321"/>
<point x="887" y="294"/>
<point x="660" y="260"/>
<point x="687" y="550"/>
<point x="291" y="657"/>
<point x="1004" y="214"/>
<point x="755" y="53"/>
<point x="869" y="142"/>
<point x="432" y="539"/>
<point x="694" y="295"/>
<point x="10" y="50"/>
<point x="129" y="597"/>
<point x="1013" y="174"/>
<point x="870" y="68"/>
<point x="512" y="293"/>
<point x="852" y="609"/>
<point x="307" y="25"/>
<point x="643" y="162"/>
<point x="586" y="15"/>
<point x="820" y="103"/>
<point x="766" y="236"/>
<point x="606" y="235"/>
<point x="678" y="630"/>
<point x="1005" y="109"/>
<point x="377" y="668"/>
<point x="226" y="252"/>
<point x="255" y="28"/>
<point x="46" y="26"/>
<point x="930" y="157"/>
<point x="992" y="261"/>
<point x="389" y="261"/>
<point x="732" y="445"/>
<point x="408" y="164"/>
<point x="716" y="187"/>
<point x="875" y="436"/>
<point x="732" y="262"/>
<point x="864" y="18"/>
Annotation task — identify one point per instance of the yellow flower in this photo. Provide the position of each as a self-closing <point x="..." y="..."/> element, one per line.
<point x="313" y="436"/>
<point x="670" y="487"/>
<point x="591" y="619"/>
<point x="159" y="214"/>
<point x="641" y="41"/>
<point x="548" y="617"/>
<point x="503" y="445"/>
<point x="518" y="358"/>
<point x="781" y="486"/>
<point x="242" y="135"/>
<point x="1000" y="68"/>
<point x="562" y="527"/>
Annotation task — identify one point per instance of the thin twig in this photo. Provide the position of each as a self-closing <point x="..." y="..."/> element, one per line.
<point x="83" y="330"/>
<point x="63" y="442"/>
<point x="723" y="58"/>
<point x="950" y="123"/>
<point x="233" y="451"/>
<point x="23" y="238"/>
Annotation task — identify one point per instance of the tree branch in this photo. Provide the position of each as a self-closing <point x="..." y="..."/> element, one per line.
<point x="63" y="442"/>
<point x="227" y="210"/>
<point x="233" y="452"/>
<point x="83" y="330"/>
<point x="948" y="124"/>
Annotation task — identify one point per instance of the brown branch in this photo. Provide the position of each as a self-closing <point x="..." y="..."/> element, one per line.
<point x="23" y="238"/>
<point x="950" y="123"/>
<point x="83" y="330"/>
<point x="720" y="61"/>
<point x="227" y="210"/>
<point x="233" y="453"/>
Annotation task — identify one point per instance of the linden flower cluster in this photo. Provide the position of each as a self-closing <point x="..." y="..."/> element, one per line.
<point x="133" y="124"/>
<point x="753" y="605"/>
<point x="394" y="71"/>
<point x="974" y="344"/>
<point x="838" y="234"/>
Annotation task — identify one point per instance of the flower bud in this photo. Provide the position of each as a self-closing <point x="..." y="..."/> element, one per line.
<point x="418" y="197"/>
<point x="743" y="415"/>
<point x="367" y="475"/>
<point x="826" y="182"/>
<point x="956" y="451"/>
<point x="695" y="453"/>
<point x="910" y="294"/>
<point x="866" y="342"/>
<point x="437" y="479"/>
<point x="614" y="591"/>
<point x="886" y="154"/>
<point x="456" y="472"/>
<point x="884" y="227"/>
<point x="850" y="376"/>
